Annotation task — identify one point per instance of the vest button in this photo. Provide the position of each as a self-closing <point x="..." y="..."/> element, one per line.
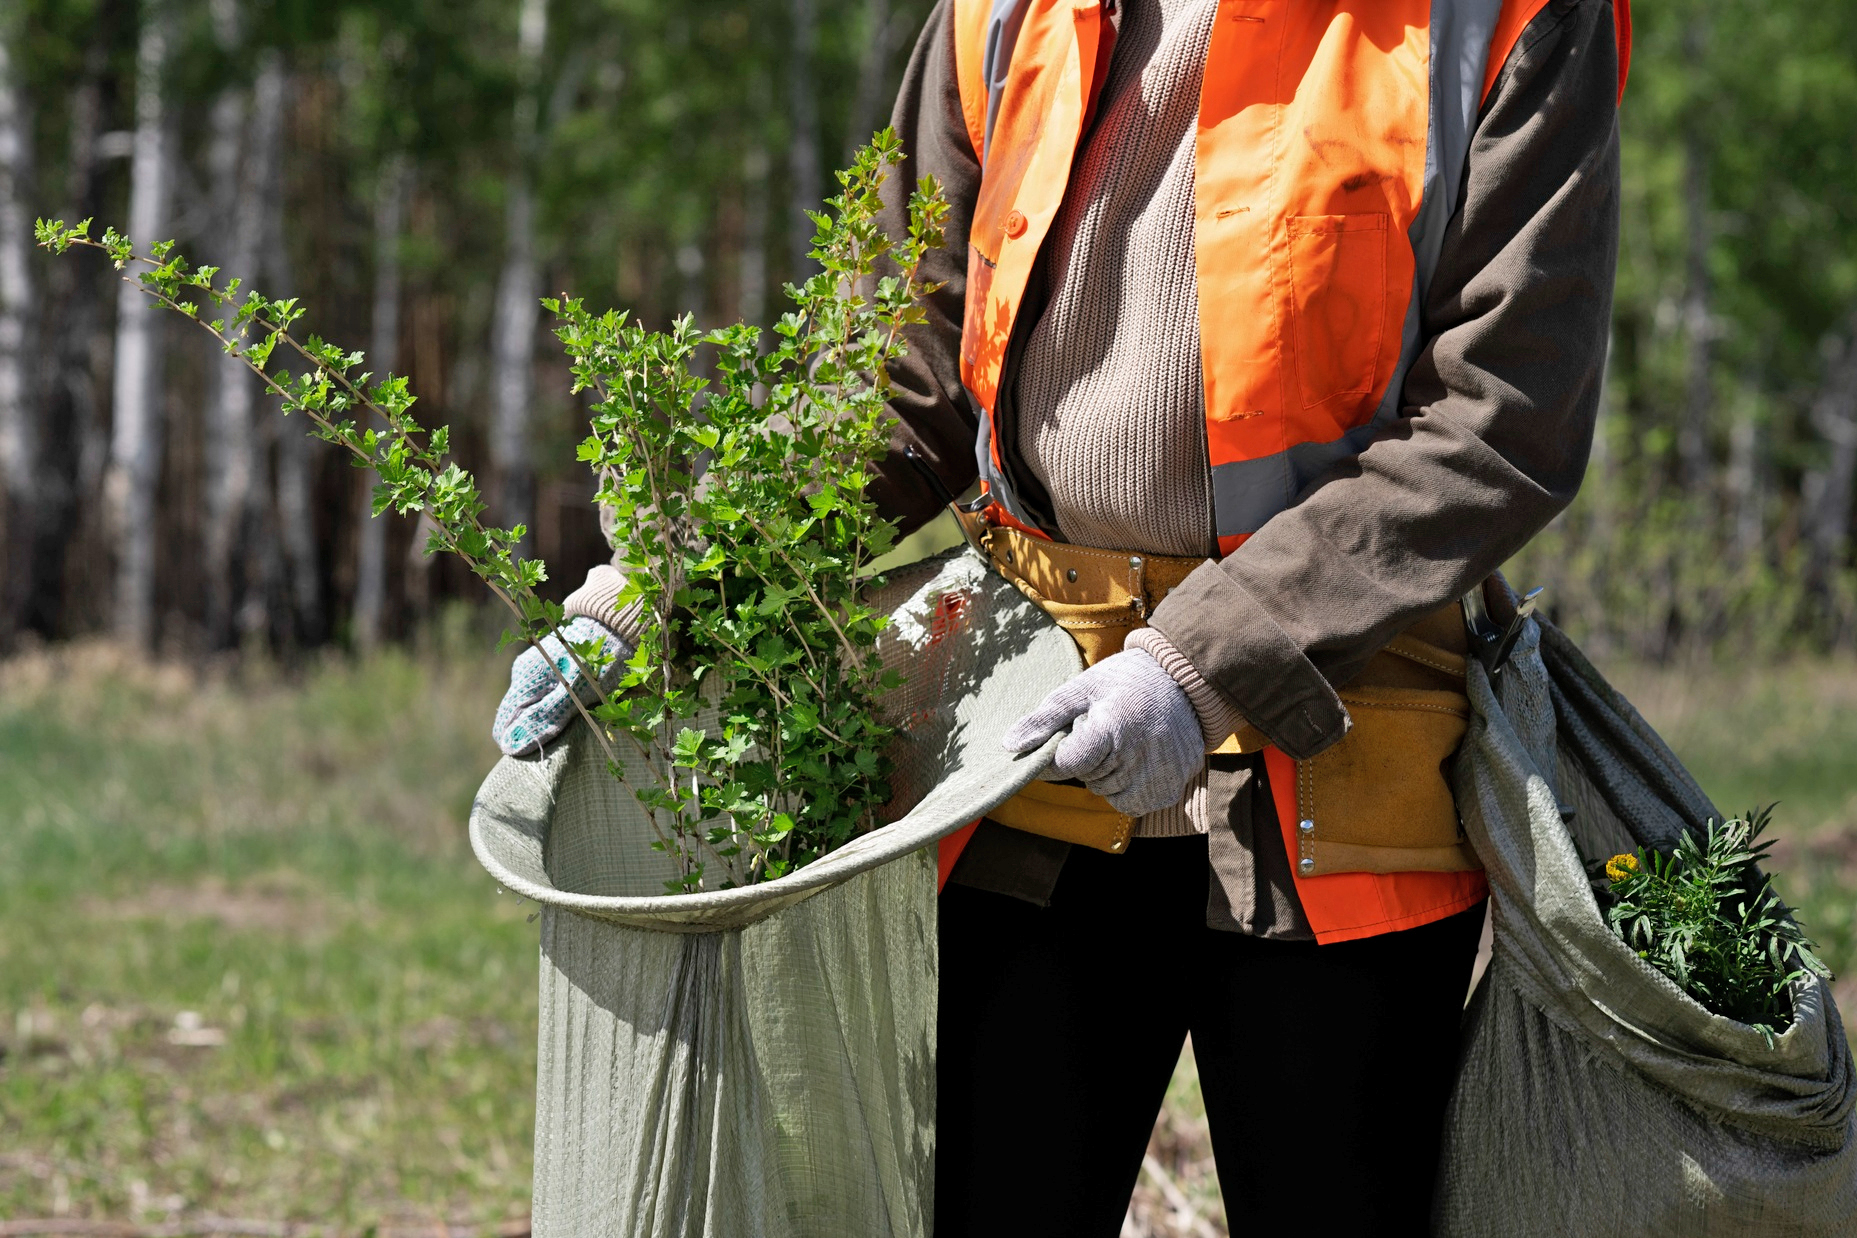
<point x="1015" y="225"/>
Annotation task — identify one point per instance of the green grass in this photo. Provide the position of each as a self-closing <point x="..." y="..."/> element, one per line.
<point x="249" y="967"/>
<point x="280" y="866"/>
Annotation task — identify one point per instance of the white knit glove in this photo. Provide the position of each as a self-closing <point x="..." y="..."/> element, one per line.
<point x="537" y="707"/>
<point x="1134" y="737"/>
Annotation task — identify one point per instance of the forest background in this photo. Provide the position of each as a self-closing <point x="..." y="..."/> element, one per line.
<point x="420" y="174"/>
<point x="309" y="726"/>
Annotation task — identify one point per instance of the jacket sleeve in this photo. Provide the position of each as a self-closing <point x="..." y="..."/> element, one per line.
<point x="1497" y="411"/>
<point x="932" y="409"/>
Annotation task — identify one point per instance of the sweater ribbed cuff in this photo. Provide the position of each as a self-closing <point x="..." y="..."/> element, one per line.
<point x="1218" y="717"/>
<point x="1238" y="647"/>
<point x="598" y="599"/>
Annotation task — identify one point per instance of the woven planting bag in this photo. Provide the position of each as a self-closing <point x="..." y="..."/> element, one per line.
<point x="761" y="1061"/>
<point x="1594" y="1097"/>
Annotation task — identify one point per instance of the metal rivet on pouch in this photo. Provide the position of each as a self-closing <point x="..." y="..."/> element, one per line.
<point x="1306" y="824"/>
<point x="1307" y="866"/>
<point x="1071" y="575"/>
<point x="1134" y="561"/>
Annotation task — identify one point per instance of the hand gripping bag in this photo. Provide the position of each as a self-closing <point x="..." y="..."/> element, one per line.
<point x="760" y="1062"/>
<point x="1595" y="1098"/>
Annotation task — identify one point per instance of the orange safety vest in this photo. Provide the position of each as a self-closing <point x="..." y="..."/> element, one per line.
<point x="1331" y="147"/>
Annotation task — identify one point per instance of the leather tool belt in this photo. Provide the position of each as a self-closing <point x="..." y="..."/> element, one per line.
<point x="1378" y="800"/>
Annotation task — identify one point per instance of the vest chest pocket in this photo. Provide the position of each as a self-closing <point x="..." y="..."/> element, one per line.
<point x="1338" y="302"/>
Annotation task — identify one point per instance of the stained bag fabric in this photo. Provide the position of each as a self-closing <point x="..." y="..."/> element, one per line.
<point x="1595" y="1097"/>
<point x="760" y="1062"/>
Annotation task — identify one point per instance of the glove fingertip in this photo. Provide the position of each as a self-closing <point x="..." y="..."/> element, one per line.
<point x="1025" y="736"/>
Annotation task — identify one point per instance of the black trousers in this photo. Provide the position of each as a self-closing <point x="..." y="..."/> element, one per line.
<point x="1325" y="1069"/>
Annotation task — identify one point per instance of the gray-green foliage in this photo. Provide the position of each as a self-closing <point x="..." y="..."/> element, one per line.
<point x="752" y="581"/>
<point x="1705" y="916"/>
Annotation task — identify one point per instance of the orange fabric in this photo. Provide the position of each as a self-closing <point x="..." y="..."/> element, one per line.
<point x="1621" y="30"/>
<point x="1053" y="84"/>
<point x="970" y="49"/>
<point x="1310" y="161"/>
<point x="948" y="853"/>
<point x="997" y="515"/>
<point x="1309" y="166"/>
<point x="1346" y="906"/>
<point x="1516" y="14"/>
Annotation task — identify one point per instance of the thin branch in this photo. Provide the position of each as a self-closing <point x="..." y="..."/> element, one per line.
<point x="333" y="433"/>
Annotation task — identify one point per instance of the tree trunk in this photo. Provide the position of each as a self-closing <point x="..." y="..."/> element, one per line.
<point x="1834" y="415"/>
<point x="19" y="447"/>
<point x="751" y="303"/>
<point x="1693" y="455"/>
<point x="1746" y="497"/>
<point x="803" y="150"/>
<point x="383" y="358"/>
<point x="73" y="445"/>
<point x="512" y="332"/>
<point x="230" y="397"/>
<point x="135" y="439"/>
<point x="296" y="516"/>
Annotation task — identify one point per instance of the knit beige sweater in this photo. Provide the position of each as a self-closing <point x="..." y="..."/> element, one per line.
<point x="1110" y="406"/>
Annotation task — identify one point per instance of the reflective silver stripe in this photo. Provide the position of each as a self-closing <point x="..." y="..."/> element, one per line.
<point x="1247" y="493"/>
<point x="1003" y="24"/>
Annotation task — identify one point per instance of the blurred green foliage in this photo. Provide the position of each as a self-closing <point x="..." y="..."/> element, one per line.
<point x="674" y="143"/>
<point x="1738" y="239"/>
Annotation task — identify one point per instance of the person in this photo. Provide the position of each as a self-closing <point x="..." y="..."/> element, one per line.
<point x="1267" y="330"/>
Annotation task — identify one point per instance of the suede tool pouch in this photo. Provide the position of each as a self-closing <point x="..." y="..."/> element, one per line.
<point x="1379" y="800"/>
<point x="1098" y="597"/>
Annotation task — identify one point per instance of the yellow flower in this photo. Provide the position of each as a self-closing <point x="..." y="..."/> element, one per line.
<point x="1620" y="867"/>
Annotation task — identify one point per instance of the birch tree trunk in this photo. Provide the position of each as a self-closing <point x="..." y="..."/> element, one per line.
<point x="518" y="307"/>
<point x="1834" y="416"/>
<point x="19" y="447"/>
<point x="135" y="438"/>
<point x="257" y="558"/>
<point x="237" y="189"/>
<point x="296" y="516"/>
<point x="803" y="150"/>
<point x="383" y="358"/>
<point x="1746" y="494"/>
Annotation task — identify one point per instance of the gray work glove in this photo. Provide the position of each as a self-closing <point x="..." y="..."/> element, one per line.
<point x="1134" y="739"/>
<point x="537" y="707"/>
